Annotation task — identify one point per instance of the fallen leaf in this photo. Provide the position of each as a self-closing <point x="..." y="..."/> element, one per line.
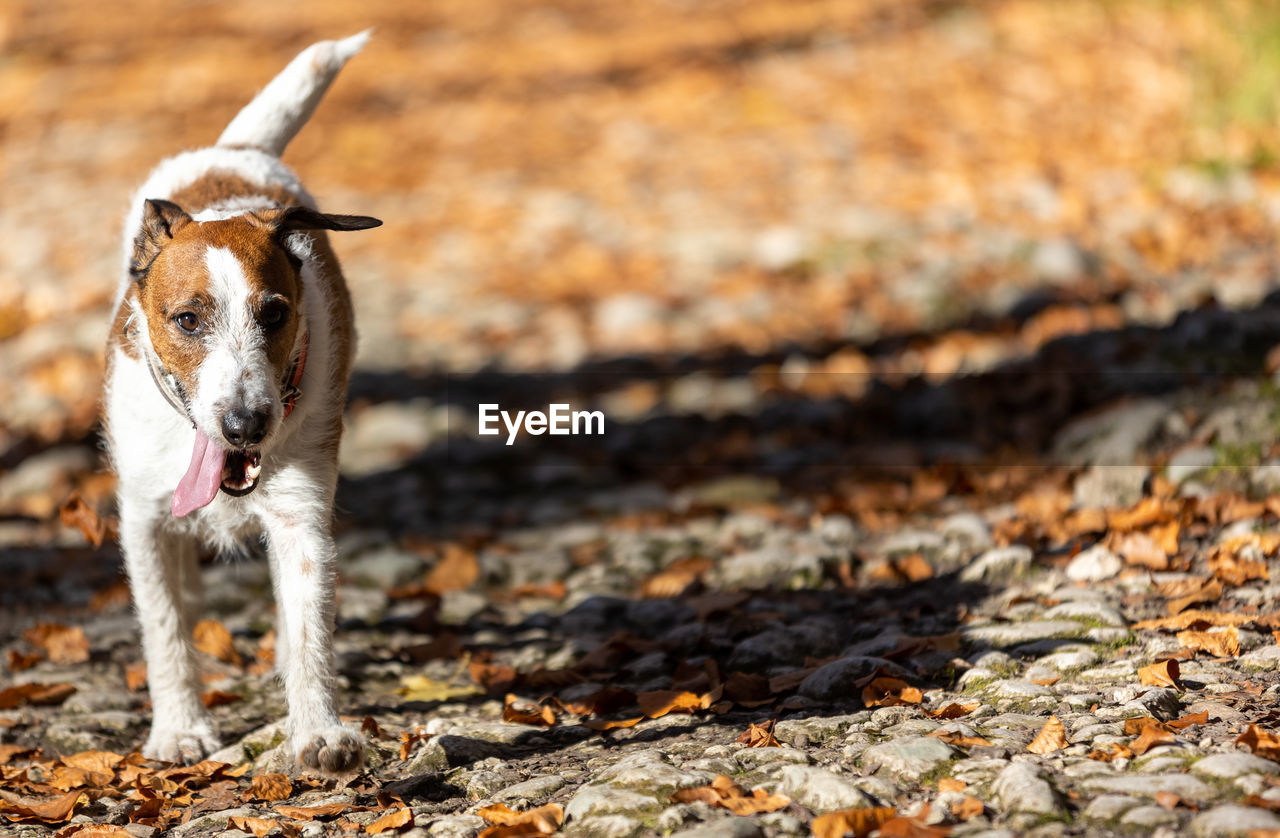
<point x="310" y="813"/>
<point x="271" y="787"/>
<point x="1160" y="674"/>
<point x="391" y="820"/>
<point x="1198" y="618"/>
<point x="1117" y="752"/>
<point x="726" y="794"/>
<point x="19" y="662"/>
<point x="957" y="738"/>
<point x="969" y="807"/>
<point x="63" y="644"/>
<point x="217" y="698"/>
<point x="422" y="688"/>
<point x="212" y="638"/>
<point x="55" y="810"/>
<point x="1221" y="644"/>
<point x="890" y="692"/>
<point x="8" y="753"/>
<point x="1210" y="591"/>
<point x="258" y="826"/>
<point x="36" y="694"/>
<point x="76" y="513"/>
<point x="1201" y="718"/>
<point x="456" y="571"/>
<point x="1140" y="549"/>
<point x="93" y="830"/>
<point x="100" y="761"/>
<point x="506" y="823"/>
<point x="953" y="710"/>
<point x="658" y="703"/>
<point x="1260" y="742"/>
<point x="675" y="578"/>
<point x="530" y="715"/>
<point x="856" y="822"/>
<point x="614" y="724"/>
<point x="1151" y="736"/>
<point x="1052" y="737"/>
<point x="951" y="784"/>
<point x="135" y="677"/>
<point x="759" y="736"/>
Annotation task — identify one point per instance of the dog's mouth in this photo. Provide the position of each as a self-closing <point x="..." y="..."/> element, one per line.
<point x="240" y="472"/>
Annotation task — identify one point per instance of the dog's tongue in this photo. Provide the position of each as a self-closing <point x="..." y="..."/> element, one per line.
<point x="199" y="485"/>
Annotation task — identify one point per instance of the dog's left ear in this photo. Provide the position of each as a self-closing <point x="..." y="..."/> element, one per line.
<point x="305" y="218"/>
<point x="160" y="221"/>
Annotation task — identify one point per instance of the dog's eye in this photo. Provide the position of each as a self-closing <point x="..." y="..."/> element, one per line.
<point x="187" y="322"/>
<point x="273" y="316"/>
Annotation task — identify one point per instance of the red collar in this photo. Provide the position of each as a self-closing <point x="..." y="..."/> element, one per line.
<point x="291" y="393"/>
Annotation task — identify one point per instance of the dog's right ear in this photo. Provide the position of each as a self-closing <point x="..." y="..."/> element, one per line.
<point x="160" y="221"/>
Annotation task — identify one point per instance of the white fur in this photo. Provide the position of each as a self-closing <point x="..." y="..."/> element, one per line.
<point x="292" y="506"/>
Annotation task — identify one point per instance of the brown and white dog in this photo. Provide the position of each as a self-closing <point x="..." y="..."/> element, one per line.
<point x="227" y="376"/>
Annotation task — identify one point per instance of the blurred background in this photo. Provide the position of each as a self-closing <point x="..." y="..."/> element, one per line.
<point x="891" y="206"/>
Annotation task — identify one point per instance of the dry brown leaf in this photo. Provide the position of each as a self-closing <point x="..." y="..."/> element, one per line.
<point x="1148" y="512"/>
<point x="727" y="794"/>
<point x="99" y="761"/>
<point x="856" y="822"/>
<point x="1116" y="752"/>
<point x="675" y="578"/>
<point x="1201" y="718"/>
<point x="506" y="823"/>
<point x="885" y="691"/>
<point x="258" y="826"/>
<point x="913" y="827"/>
<point x="271" y="787"/>
<point x="953" y="710"/>
<point x="310" y="813"/>
<point x="212" y="638"/>
<point x="93" y="830"/>
<point x="1160" y="674"/>
<point x="759" y="736"/>
<point x="135" y="677"/>
<point x="36" y="694"/>
<point x="391" y="820"/>
<point x="1151" y="734"/>
<point x="63" y="644"/>
<point x="55" y="810"/>
<point x="19" y="662"/>
<point x="527" y="715"/>
<point x="913" y="567"/>
<point x="1142" y="550"/>
<point x="1261" y="742"/>
<point x="456" y="571"/>
<point x="1210" y="591"/>
<point x="217" y="698"/>
<point x="1047" y="681"/>
<point x="1222" y="644"/>
<point x="612" y="724"/>
<point x="969" y="807"/>
<point x="1199" y="618"/>
<point x="1235" y="571"/>
<point x="8" y="753"/>
<point x="76" y="513"/>
<point x="659" y="703"/>
<point x="957" y="738"/>
<point x="950" y="784"/>
<point x="1052" y="737"/>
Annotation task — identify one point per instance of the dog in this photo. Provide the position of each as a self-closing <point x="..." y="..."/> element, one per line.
<point x="227" y="368"/>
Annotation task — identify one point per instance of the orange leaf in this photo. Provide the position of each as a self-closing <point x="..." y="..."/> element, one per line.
<point x="99" y="761"/>
<point x="49" y="811"/>
<point x="957" y="738"/>
<point x="135" y="677"/>
<point x="1141" y="549"/>
<point x="456" y="571"/>
<point x="1201" y="718"/>
<point x="1052" y="737"/>
<point x="953" y="711"/>
<point x="212" y="638"/>
<point x="310" y="813"/>
<point x="1261" y="742"/>
<point x="506" y="823"/>
<point x="856" y="822"/>
<point x="37" y="694"/>
<point x="1152" y="734"/>
<point x="1187" y="619"/>
<point x="1116" y="752"/>
<point x="607" y="724"/>
<point x="1210" y="591"/>
<point x="969" y="807"/>
<point x="534" y="715"/>
<point x="93" y="830"/>
<point x="727" y="794"/>
<point x="19" y="662"/>
<point x="62" y="643"/>
<point x="890" y="692"/>
<point x="659" y="703"/>
<point x="759" y="736"/>
<point x="951" y="784"/>
<point x="217" y="698"/>
<point x="391" y="820"/>
<point x="77" y="513"/>
<point x="258" y="826"/>
<point x="1160" y="674"/>
<point x="1221" y="644"/>
<point x="271" y="787"/>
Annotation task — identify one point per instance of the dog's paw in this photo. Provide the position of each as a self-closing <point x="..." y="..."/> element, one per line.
<point x="187" y="746"/>
<point x="333" y="750"/>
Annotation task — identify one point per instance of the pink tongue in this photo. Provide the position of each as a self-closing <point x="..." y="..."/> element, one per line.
<point x="199" y="485"/>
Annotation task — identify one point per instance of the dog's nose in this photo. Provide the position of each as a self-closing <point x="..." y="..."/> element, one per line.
<point x="244" y="427"/>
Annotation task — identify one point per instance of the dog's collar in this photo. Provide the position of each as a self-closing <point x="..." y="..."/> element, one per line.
<point x="168" y="385"/>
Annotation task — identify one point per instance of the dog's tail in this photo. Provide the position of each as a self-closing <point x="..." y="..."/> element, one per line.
<point x="276" y="114"/>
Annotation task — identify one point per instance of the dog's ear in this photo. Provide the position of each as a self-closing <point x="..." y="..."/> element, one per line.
<point x="305" y="218"/>
<point x="160" y="221"/>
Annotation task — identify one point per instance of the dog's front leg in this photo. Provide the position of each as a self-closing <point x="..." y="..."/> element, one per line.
<point x="181" y="728"/>
<point x="302" y="553"/>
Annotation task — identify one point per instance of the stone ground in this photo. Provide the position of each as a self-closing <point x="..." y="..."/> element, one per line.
<point x="970" y="383"/>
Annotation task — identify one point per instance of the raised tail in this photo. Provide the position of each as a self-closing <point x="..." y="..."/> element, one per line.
<point x="277" y="113"/>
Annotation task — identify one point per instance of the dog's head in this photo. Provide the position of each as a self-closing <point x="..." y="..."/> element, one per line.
<point x="224" y="312"/>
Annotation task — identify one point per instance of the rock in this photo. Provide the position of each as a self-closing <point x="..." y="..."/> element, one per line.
<point x="769" y="567"/>
<point x="604" y="826"/>
<point x="731" y="827"/>
<point x="650" y="771"/>
<point x="1020" y="788"/>
<point x="1109" y="487"/>
<point x="818" y="729"/>
<point x="1015" y="634"/>
<point x="1109" y="807"/>
<point x="908" y="759"/>
<point x="760" y="757"/>
<point x="1150" y="816"/>
<point x="1233" y="819"/>
<point x="385" y="568"/>
<point x="535" y="790"/>
<point x="1018" y="688"/>
<point x="1058" y="261"/>
<point x="835" y="681"/>
<point x="1161" y="702"/>
<point x="481" y="785"/>
<point x="1264" y="659"/>
<point x="1231" y="765"/>
<point x="820" y="790"/>
<point x="1149" y="786"/>
<point x="596" y="799"/>
<point x="1086" y="610"/>
<point x="1113" y="436"/>
<point x="999" y="564"/>
<point x="1188" y="463"/>
<point x="1094" y="565"/>
<point x="775" y="647"/>
<point x="456" y="826"/>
